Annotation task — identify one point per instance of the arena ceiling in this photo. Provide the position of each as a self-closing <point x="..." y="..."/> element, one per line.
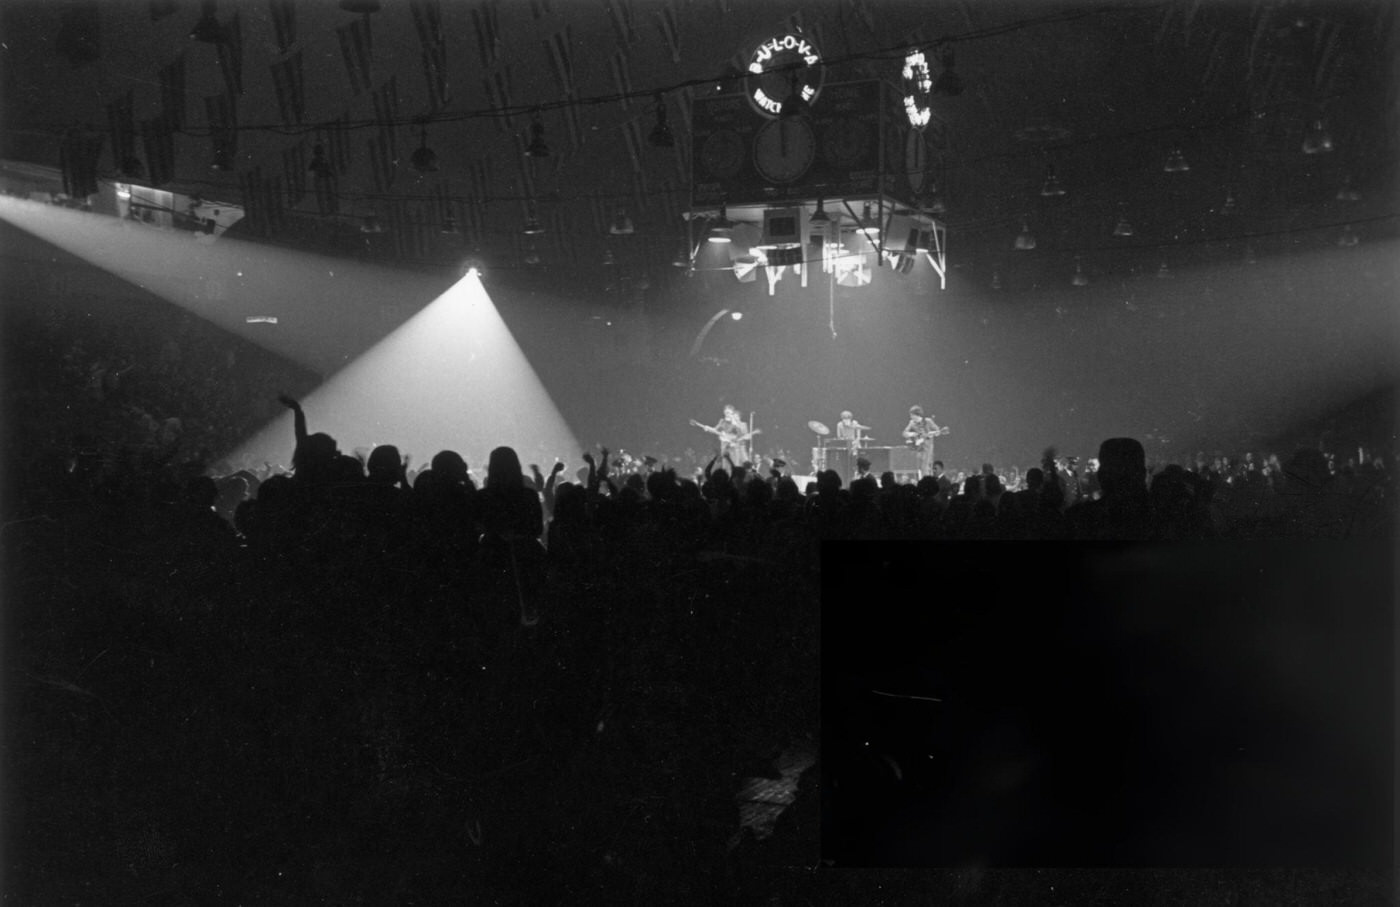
<point x="1107" y="97"/>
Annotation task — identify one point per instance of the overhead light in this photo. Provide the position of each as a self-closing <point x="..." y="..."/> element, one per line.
<point x="1025" y="240"/>
<point x="1164" y="272"/>
<point x="661" y="135"/>
<point x="1317" y="140"/>
<point x="1347" y="192"/>
<point x="319" y="164"/>
<point x="1348" y="237"/>
<point x="537" y="147"/>
<point x="1080" y="279"/>
<point x="1250" y="258"/>
<point x="532" y="225"/>
<point x="948" y="82"/>
<point x="372" y="225"/>
<point x="1229" y="206"/>
<point x="221" y="160"/>
<point x="794" y="105"/>
<point x="449" y="226"/>
<point x="424" y="160"/>
<point x="996" y="280"/>
<point x="868" y="227"/>
<point x="532" y="257"/>
<point x="208" y="29"/>
<point x="1052" y="187"/>
<point x="622" y="224"/>
<point x="819" y="217"/>
<point x="1176" y="162"/>
<point x="722" y="230"/>
<point x="608" y="258"/>
<point x="1123" y="228"/>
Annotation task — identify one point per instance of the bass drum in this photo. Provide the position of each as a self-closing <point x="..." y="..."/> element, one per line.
<point x="818" y="459"/>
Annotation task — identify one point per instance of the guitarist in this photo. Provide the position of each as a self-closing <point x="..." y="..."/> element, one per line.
<point x="919" y="435"/>
<point x="733" y="435"/>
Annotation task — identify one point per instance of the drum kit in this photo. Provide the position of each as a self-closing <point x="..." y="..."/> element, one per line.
<point x="836" y="453"/>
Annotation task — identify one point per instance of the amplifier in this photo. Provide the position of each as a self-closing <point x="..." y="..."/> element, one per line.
<point x="904" y="459"/>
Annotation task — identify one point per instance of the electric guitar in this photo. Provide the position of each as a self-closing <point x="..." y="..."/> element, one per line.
<point x="917" y="438"/>
<point x="728" y="437"/>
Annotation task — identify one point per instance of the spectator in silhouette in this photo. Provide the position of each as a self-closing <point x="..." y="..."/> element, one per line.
<point x="1125" y="510"/>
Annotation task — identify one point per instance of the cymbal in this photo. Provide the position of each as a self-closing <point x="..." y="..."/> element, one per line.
<point x="818" y="427"/>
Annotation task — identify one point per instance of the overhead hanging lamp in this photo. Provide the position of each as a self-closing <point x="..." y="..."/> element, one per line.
<point x="424" y="159"/>
<point x="207" y="29"/>
<point x="537" y="147"/>
<point x="661" y="134"/>
<point x="722" y="230"/>
<point x="1025" y="240"/>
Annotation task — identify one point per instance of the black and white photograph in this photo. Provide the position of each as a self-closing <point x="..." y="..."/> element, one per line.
<point x="775" y="452"/>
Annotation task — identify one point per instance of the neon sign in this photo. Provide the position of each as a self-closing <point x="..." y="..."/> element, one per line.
<point x="918" y="84"/>
<point x="778" y="67"/>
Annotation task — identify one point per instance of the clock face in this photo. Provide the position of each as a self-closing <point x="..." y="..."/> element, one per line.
<point x="722" y="154"/>
<point x="845" y="143"/>
<point x="784" y="150"/>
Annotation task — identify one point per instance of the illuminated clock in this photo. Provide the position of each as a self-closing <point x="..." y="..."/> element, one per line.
<point x="723" y="153"/>
<point x="784" y="150"/>
<point x="918" y="87"/>
<point x="778" y="67"/>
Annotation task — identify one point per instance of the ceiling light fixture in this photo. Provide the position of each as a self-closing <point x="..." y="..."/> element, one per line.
<point x="1347" y="192"/>
<point x="1176" y="162"/>
<point x="661" y="134"/>
<point x="1164" y="272"/>
<point x="1025" y="240"/>
<point x="795" y="104"/>
<point x="537" y="147"/>
<point x="1229" y="206"/>
<point x="1123" y="228"/>
<point x="1080" y="279"/>
<point x="868" y="227"/>
<point x="319" y="164"/>
<point x="208" y="29"/>
<point x="722" y="230"/>
<point x="449" y="226"/>
<point x="371" y="224"/>
<point x="948" y="81"/>
<point x="819" y="217"/>
<point x="424" y="160"/>
<point x="1317" y="140"/>
<point x="1052" y="187"/>
<point x="622" y="224"/>
<point x="996" y="280"/>
<point x="1348" y="237"/>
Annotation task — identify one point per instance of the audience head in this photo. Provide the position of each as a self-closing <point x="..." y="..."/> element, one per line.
<point x="1122" y="468"/>
<point x="503" y="470"/>
<point x="450" y="468"/>
<point x="384" y="464"/>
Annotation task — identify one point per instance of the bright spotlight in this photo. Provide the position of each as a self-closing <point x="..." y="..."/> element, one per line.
<point x="452" y="377"/>
<point x="736" y="315"/>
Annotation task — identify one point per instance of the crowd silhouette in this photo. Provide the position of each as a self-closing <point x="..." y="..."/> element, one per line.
<point x="363" y="680"/>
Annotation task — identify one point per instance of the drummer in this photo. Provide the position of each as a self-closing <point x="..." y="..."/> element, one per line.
<point x="850" y="431"/>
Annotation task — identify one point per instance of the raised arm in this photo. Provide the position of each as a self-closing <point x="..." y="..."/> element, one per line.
<point x="298" y="417"/>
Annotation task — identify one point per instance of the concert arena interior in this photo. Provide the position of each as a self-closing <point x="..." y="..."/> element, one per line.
<point x="701" y="451"/>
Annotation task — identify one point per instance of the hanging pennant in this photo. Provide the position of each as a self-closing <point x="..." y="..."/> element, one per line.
<point x="557" y="46"/>
<point x="357" y="51"/>
<point x="230" y="52"/>
<point x="623" y="21"/>
<point x="284" y="23"/>
<point x="172" y="92"/>
<point x="485" y="21"/>
<point x="381" y="158"/>
<point x="289" y="83"/>
<point x="386" y="107"/>
<point x="670" y="34"/>
<point x="498" y="96"/>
